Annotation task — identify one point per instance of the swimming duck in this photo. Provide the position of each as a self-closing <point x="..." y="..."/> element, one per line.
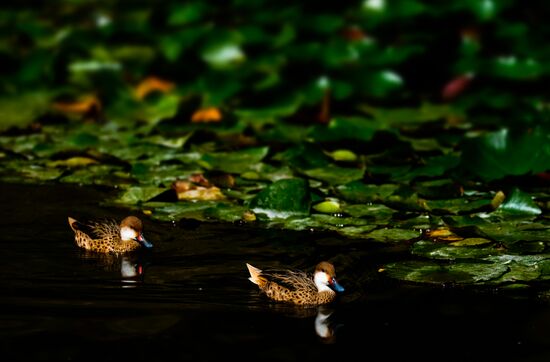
<point x="107" y="236"/>
<point x="298" y="287"/>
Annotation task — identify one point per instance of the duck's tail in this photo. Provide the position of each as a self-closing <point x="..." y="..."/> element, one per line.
<point x="256" y="275"/>
<point x="73" y="224"/>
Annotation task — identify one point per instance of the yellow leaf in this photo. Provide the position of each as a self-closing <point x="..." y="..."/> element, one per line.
<point x="73" y="162"/>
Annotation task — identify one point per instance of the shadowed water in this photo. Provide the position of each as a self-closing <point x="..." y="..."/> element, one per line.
<point x="190" y="299"/>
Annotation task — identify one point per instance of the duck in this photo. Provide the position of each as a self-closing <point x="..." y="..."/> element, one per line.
<point x="108" y="236"/>
<point x="296" y="286"/>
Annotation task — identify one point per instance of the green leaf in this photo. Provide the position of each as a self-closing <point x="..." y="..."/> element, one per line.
<point x="442" y="251"/>
<point x="358" y="191"/>
<point x="434" y="273"/>
<point x="22" y="109"/>
<point x="335" y="175"/>
<point x="357" y="128"/>
<point x="234" y="162"/>
<point x="137" y="194"/>
<point x="282" y="199"/>
<point x="393" y="235"/>
<point x="519" y="203"/>
<point x="506" y="152"/>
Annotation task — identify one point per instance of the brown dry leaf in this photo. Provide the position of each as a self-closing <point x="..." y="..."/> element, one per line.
<point x="186" y="190"/>
<point x="152" y="84"/>
<point x="86" y="104"/>
<point x="202" y="193"/>
<point x="209" y="114"/>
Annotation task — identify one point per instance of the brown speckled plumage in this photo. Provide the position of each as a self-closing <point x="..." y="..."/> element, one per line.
<point x="105" y="236"/>
<point x="296" y="287"/>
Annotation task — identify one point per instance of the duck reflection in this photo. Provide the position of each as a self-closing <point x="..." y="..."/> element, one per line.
<point x="130" y="267"/>
<point x="324" y="326"/>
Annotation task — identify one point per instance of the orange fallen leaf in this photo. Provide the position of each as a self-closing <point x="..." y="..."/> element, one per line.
<point x="209" y="114"/>
<point x="85" y="105"/>
<point x="152" y="84"/>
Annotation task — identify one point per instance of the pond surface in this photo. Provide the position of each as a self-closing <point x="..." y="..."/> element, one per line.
<point x="190" y="298"/>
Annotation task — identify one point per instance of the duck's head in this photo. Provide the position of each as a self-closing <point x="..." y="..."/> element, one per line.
<point x="131" y="228"/>
<point x="325" y="277"/>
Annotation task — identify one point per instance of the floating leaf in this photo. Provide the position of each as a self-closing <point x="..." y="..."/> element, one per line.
<point x="434" y="273"/>
<point x="282" y="199"/>
<point x="503" y="153"/>
<point x="358" y="191"/>
<point x="335" y="175"/>
<point x="448" y="252"/>
<point x="234" y="162"/>
<point x="519" y="203"/>
<point x="361" y="129"/>
<point x="137" y="194"/>
<point x="393" y="235"/>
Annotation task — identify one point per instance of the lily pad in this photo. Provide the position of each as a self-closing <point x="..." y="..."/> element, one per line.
<point x="393" y="235"/>
<point x="435" y="273"/>
<point x="357" y="191"/>
<point x="137" y="194"/>
<point x="443" y="251"/>
<point x="282" y="199"/>
<point x="234" y="162"/>
<point x="507" y="152"/>
<point x="335" y="175"/>
<point x="519" y="203"/>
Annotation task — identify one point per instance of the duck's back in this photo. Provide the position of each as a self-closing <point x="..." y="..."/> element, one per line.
<point x="103" y="237"/>
<point x="293" y="286"/>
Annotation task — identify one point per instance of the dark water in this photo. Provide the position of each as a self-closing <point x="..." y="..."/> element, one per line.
<point x="189" y="299"/>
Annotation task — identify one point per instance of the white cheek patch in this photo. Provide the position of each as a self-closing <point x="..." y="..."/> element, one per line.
<point x="127" y="234"/>
<point x="321" y="280"/>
